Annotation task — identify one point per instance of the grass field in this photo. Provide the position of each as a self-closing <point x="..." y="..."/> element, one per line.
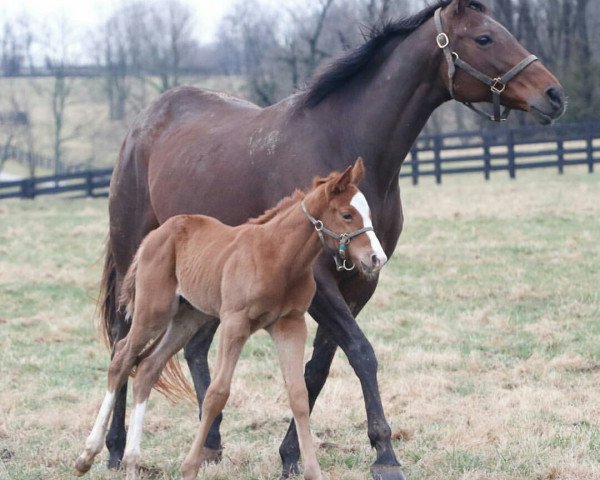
<point x="486" y="325"/>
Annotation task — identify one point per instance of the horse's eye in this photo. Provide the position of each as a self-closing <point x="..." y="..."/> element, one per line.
<point x="484" y="40"/>
<point x="347" y="216"/>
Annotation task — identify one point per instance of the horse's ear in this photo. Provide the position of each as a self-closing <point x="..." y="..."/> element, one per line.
<point x="340" y="182"/>
<point x="358" y="171"/>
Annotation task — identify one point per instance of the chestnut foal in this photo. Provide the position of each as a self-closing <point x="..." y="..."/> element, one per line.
<point x="256" y="275"/>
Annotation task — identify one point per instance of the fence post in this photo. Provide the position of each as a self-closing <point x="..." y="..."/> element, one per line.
<point x="28" y="188"/>
<point x="511" y="154"/>
<point x="560" y="151"/>
<point x="487" y="160"/>
<point x="89" y="184"/>
<point x="590" y="148"/>
<point x="414" y="163"/>
<point x="437" y="158"/>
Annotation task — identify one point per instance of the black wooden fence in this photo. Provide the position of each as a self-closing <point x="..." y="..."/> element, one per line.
<point x="509" y="150"/>
<point x="91" y="183"/>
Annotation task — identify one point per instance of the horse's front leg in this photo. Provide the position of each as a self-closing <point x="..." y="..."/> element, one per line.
<point x="315" y="375"/>
<point x="330" y="310"/>
<point x="289" y="335"/>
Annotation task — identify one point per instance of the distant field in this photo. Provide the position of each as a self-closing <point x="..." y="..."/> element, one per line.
<point x="486" y="325"/>
<point x="94" y="138"/>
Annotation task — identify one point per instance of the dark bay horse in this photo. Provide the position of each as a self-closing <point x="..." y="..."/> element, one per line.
<point x="258" y="275"/>
<point x="371" y="102"/>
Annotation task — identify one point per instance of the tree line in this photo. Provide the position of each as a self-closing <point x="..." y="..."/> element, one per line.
<point x="145" y="48"/>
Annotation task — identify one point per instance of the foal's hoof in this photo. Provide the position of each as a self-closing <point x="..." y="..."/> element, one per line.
<point x="82" y="466"/>
<point x="211" y="455"/>
<point x="387" y="472"/>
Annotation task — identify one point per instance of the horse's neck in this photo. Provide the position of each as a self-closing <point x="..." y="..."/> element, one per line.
<point x="299" y="245"/>
<point x="381" y="112"/>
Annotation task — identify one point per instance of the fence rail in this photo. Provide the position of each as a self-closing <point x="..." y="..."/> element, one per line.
<point x="509" y="150"/>
<point x="483" y="152"/>
<point x="31" y="158"/>
<point x="91" y="183"/>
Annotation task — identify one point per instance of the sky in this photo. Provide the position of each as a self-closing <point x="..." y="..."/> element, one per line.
<point x="86" y="14"/>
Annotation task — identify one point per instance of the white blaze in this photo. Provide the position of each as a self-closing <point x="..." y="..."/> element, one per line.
<point x="360" y="203"/>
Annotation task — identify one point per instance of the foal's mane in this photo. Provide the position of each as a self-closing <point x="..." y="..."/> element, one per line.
<point x="340" y="71"/>
<point x="284" y="203"/>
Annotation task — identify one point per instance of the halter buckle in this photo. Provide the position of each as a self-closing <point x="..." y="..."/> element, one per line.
<point x="498" y="87"/>
<point x="319" y="225"/>
<point x="442" y="40"/>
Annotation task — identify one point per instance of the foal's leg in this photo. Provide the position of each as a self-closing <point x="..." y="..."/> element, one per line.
<point x="315" y="374"/>
<point x="180" y="330"/>
<point x="289" y="334"/>
<point x="150" y="320"/>
<point x="234" y="333"/>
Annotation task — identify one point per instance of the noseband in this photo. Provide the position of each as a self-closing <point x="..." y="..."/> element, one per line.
<point x="497" y="85"/>
<point x="341" y="262"/>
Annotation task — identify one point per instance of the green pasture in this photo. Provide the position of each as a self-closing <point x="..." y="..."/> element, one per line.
<point x="486" y="325"/>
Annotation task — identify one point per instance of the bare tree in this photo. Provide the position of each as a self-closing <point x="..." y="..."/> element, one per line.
<point x="57" y="42"/>
<point x="15" y="46"/>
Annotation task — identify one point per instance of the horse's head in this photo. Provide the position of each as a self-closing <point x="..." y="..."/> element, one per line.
<point x="500" y="66"/>
<point x="345" y="221"/>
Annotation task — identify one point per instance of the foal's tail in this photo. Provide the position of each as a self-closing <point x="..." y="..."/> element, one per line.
<point x="172" y="382"/>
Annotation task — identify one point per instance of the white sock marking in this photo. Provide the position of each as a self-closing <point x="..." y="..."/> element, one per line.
<point x="136" y="425"/>
<point x="95" y="441"/>
<point x="362" y="206"/>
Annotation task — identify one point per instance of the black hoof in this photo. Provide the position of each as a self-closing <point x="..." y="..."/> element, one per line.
<point x="290" y="469"/>
<point x="114" y="460"/>
<point x="387" y="472"/>
<point x="212" y="455"/>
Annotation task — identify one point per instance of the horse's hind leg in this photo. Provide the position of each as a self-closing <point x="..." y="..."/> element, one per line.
<point x="234" y="333"/>
<point x="289" y="335"/>
<point x="115" y="438"/>
<point x="196" y="355"/>
<point x="180" y="330"/>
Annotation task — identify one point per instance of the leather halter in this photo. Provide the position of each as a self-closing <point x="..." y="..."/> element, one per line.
<point x="497" y="85"/>
<point x="341" y="262"/>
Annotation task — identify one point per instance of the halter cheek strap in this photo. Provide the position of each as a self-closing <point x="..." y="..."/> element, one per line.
<point x="497" y="85"/>
<point x="341" y="262"/>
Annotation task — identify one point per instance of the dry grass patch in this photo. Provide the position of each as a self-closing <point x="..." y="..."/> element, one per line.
<point x="486" y="325"/>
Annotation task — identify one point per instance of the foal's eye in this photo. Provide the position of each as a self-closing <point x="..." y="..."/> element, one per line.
<point x="347" y="216"/>
<point x="484" y="40"/>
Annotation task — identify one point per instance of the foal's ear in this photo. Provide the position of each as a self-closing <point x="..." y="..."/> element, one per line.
<point x="358" y="171"/>
<point x="340" y="182"/>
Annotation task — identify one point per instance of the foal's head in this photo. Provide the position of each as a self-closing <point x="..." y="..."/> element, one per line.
<point x="344" y="211"/>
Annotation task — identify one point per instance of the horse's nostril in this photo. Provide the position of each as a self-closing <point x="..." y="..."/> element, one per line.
<point x="555" y="95"/>
<point x="375" y="261"/>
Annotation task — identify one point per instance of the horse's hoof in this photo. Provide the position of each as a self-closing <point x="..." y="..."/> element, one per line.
<point x="387" y="472"/>
<point x="189" y="471"/>
<point x="114" y="461"/>
<point x="211" y="455"/>
<point x="82" y="466"/>
<point x="290" y="469"/>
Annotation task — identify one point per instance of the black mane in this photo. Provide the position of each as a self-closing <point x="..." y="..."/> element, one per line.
<point x="346" y="67"/>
